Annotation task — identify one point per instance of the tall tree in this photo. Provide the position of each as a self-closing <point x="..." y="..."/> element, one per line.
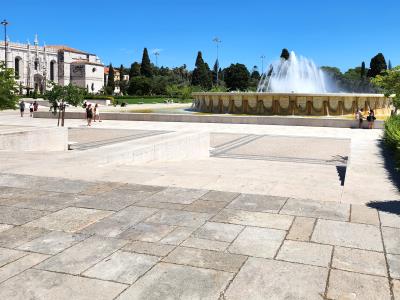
<point x="377" y="65"/>
<point x="111" y="79"/>
<point x="237" y="77"/>
<point x="145" y="67"/>
<point x="201" y="73"/>
<point x="362" y="72"/>
<point x="135" y="70"/>
<point x="8" y="88"/>
<point x="285" y="54"/>
<point x="215" y="71"/>
<point x="121" y="73"/>
<point x="389" y="65"/>
<point x="389" y="82"/>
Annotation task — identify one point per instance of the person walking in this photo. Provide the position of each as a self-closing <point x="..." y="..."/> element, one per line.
<point x="89" y="114"/>
<point x="31" y="110"/>
<point x="35" y="105"/>
<point x="359" y="117"/>
<point x="371" y="119"/>
<point x="96" y="113"/>
<point x="22" y="107"/>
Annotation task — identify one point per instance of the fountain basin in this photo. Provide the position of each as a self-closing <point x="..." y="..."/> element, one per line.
<point x="300" y="104"/>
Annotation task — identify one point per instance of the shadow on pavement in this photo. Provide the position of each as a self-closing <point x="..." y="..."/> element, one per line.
<point x="392" y="207"/>
<point x="394" y="175"/>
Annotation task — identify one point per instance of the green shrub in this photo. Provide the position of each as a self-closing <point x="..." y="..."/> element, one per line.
<point x="392" y="133"/>
<point x="94" y="97"/>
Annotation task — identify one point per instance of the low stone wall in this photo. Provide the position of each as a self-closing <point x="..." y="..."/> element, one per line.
<point x="290" y="103"/>
<point x="34" y="139"/>
<point x="164" y="147"/>
<point x="226" y="119"/>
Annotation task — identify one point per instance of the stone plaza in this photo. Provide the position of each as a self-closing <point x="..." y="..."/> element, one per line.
<point x="274" y="212"/>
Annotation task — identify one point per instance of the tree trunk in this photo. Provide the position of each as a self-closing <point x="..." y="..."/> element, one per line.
<point x="59" y="115"/>
<point x="63" y="114"/>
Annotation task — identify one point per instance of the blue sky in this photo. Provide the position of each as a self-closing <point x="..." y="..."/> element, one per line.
<point x="331" y="32"/>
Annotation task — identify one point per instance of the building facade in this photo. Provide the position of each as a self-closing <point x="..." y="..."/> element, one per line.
<point x="34" y="66"/>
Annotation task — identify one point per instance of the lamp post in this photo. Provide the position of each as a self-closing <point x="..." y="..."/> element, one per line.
<point x="262" y="64"/>
<point x="5" y="23"/>
<point x="157" y="53"/>
<point x="217" y="41"/>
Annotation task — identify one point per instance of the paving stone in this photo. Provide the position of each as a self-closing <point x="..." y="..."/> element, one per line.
<point x="361" y="261"/>
<point x="205" y="244"/>
<point x="19" y="216"/>
<point x="301" y="229"/>
<point x="348" y="285"/>
<point x="205" y="206"/>
<point x="178" y="195"/>
<point x="218" y="231"/>
<point x="113" y="200"/>
<point x="260" y="203"/>
<point x="53" y="242"/>
<point x="156" y="249"/>
<point x="258" y="219"/>
<point x="391" y="237"/>
<point x="394" y="265"/>
<point x="4" y="227"/>
<point x="364" y="214"/>
<point x="20" y="265"/>
<point x="168" y="281"/>
<point x="101" y="187"/>
<point x="38" y="284"/>
<point x="19" y="235"/>
<point x="9" y="255"/>
<point x="80" y="257"/>
<point x="206" y="259"/>
<point x="345" y="234"/>
<point x="124" y="267"/>
<point x="117" y="223"/>
<point x="390" y="220"/>
<point x="317" y="209"/>
<point x="220" y="196"/>
<point x="178" y="235"/>
<point x="147" y="232"/>
<point x="70" y="219"/>
<point x="260" y="242"/>
<point x="306" y="253"/>
<point x="157" y="204"/>
<point x="261" y="279"/>
<point x="48" y="201"/>
<point x="144" y="188"/>
<point x="19" y="194"/>
<point x="61" y="185"/>
<point x="396" y="289"/>
<point x="179" y="218"/>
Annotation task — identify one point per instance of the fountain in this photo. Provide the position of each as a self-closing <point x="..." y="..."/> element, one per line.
<point x="292" y="86"/>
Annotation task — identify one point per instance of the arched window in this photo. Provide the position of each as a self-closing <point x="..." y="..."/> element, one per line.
<point x="52" y="64"/>
<point x="16" y="67"/>
<point x="36" y="64"/>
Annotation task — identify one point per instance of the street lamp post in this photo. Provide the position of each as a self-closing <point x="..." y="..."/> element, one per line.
<point x="5" y="23"/>
<point x="157" y="54"/>
<point x="262" y="64"/>
<point x="217" y="41"/>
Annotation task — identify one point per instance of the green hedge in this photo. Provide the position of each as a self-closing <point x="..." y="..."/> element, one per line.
<point x="392" y="132"/>
<point x="140" y="97"/>
<point x="392" y="136"/>
<point x="94" y="97"/>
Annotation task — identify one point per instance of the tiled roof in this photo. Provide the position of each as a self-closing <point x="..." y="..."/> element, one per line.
<point x="66" y="48"/>
<point x="86" y="62"/>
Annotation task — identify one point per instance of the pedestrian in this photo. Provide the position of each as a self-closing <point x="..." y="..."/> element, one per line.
<point x="96" y="113"/>
<point x="22" y="107"/>
<point x="31" y="110"/>
<point x="84" y="104"/>
<point x="35" y="105"/>
<point x="89" y="114"/>
<point x="359" y="117"/>
<point x="371" y="118"/>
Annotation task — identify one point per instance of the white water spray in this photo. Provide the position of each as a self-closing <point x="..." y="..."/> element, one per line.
<point x="297" y="74"/>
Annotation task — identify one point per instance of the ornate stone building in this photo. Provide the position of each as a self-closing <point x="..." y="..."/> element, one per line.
<point x="35" y="65"/>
